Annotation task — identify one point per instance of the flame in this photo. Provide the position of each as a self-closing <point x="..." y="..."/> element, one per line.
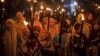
<point x="35" y="1"/>
<point x="2" y="0"/>
<point x="49" y="9"/>
<point x="63" y="10"/>
<point x="83" y="17"/>
<point x="42" y="7"/>
<point x="62" y="0"/>
<point x="25" y="22"/>
<point x="75" y="3"/>
<point x="98" y="7"/>
<point x="29" y="0"/>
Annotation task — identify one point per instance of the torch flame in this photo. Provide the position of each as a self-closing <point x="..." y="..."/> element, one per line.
<point x="98" y="7"/>
<point x="62" y="0"/>
<point x="2" y="0"/>
<point x="26" y="23"/>
<point x="83" y="17"/>
<point x="63" y="10"/>
<point x="35" y="1"/>
<point x="49" y="9"/>
<point x="41" y="6"/>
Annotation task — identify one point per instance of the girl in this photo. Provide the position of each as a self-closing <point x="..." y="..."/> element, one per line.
<point x="10" y="38"/>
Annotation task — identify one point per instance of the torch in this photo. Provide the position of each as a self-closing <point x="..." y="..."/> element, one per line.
<point x="82" y="23"/>
<point x="32" y="10"/>
<point x="98" y="14"/>
<point x="81" y="32"/>
<point x="63" y="15"/>
<point x="48" y="14"/>
<point x="34" y="6"/>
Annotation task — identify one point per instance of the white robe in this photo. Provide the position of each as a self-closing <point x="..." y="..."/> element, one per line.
<point x="10" y="43"/>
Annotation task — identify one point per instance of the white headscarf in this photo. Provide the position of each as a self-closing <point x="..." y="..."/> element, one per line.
<point x="10" y="39"/>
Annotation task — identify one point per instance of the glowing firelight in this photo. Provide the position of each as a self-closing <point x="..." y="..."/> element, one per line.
<point x="28" y="0"/>
<point x="75" y="3"/>
<point x="31" y="8"/>
<point x="25" y="22"/>
<point x="83" y="17"/>
<point x="63" y="10"/>
<point x="82" y="10"/>
<point x="98" y="7"/>
<point x="35" y="1"/>
<point x="62" y="0"/>
<point x="2" y="0"/>
<point x="96" y="4"/>
<point x="49" y="9"/>
<point x="41" y="6"/>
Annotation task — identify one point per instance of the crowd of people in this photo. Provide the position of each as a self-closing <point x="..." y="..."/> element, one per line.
<point x="52" y="38"/>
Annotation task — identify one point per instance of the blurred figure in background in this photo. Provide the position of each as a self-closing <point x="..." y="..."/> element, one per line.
<point x="20" y="19"/>
<point x="88" y="23"/>
<point x="87" y="27"/>
<point x="94" y="38"/>
<point x="79" y="41"/>
<point x="69" y="35"/>
<point x="60" y="48"/>
<point x="23" y="33"/>
<point x="78" y="20"/>
<point x="52" y="28"/>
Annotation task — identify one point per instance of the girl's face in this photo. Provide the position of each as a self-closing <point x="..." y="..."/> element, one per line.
<point x="35" y="16"/>
<point x="19" y="15"/>
<point x="9" y="25"/>
<point x="96" y="26"/>
<point x="90" y="17"/>
<point x="58" y="27"/>
<point x="68" y="21"/>
<point x="46" y="20"/>
<point x="44" y="34"/>
<point x="52" y="22"/>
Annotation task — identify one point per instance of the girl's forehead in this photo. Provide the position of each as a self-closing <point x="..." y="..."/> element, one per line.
<point x="9" y="22"/>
